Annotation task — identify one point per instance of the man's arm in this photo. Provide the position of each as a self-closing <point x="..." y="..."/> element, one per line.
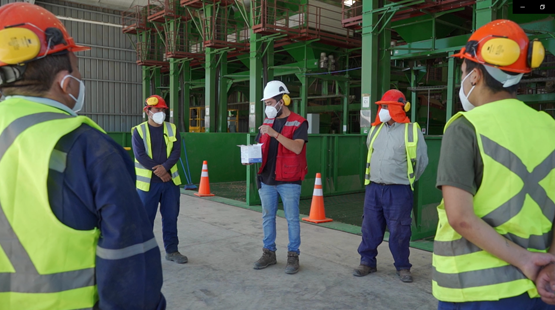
<point x="545" y="282"/>
<point x="175" y="153"/>
<point x="460" y="213"/>
<point x="294" y="145"/>
<point x="125" y="279"/>
<point x="140" y="152"/>
<point x="421" y="155"/>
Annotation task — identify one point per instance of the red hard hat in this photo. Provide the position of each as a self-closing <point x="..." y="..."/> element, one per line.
<point x="393" y="96"/>
<point x="504" y="45"/>
<point x="26" y="30"/>
<point x="155" y="101"/>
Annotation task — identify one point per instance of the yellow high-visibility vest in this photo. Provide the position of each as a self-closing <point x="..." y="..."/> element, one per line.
<point x="411" y="141"/>
<point x="145" y="175"/>
<point x="44" y="264"/>
<point x="515" y="198"/>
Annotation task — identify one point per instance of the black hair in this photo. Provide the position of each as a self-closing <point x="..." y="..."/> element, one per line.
<point x="278" y="97"/>
<point x="39" y="76"/>
<point x="494" y="85"/>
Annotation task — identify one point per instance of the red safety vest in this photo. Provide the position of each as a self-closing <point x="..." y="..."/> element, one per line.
<point x="290" y="167"/>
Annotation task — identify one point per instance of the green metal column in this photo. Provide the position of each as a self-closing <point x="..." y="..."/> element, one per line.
<point x="186" y="93"/>
<point x="384" y="72"/>
<point x="210" y="90"/>
<point x="210" y="94"/>
<point x="304" y="84"/>
<point x="413" y="97"/>
<point x="157" y="81"/>
<point x="485" y="12"/>
<point x="346" y="92"/>
<point x="369" y="78"/>
<point x="450" y="86"/>
<point x="270" y="60"/>
<point x="174" y="102"/>
<point x="222" y="92"/>
<point x="255" y="83"/>
<point x="146" y="82"/>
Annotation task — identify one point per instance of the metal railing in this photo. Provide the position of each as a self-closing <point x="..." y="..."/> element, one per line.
<point x="224" y="32"/>
<point x="134" y="19"/>
<point x="303" y="22"/>
<point x="151" y="52"/>
<point x="351" y="16"/>
<point x="160" y="9"/>
<point x="186" y="42"/>
<point x="199" y="3"/>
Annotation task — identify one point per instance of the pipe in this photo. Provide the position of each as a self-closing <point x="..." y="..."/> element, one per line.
<point x="86" y="21"/>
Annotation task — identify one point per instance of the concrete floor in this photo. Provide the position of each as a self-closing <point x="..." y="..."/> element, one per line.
<point x="222" y="242"/>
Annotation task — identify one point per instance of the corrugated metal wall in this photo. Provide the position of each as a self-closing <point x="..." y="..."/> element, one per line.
<point x="112" y="79"/>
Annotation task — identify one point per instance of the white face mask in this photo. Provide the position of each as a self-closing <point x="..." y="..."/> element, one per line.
<point x="271" y="111"/>
<point x="158" y="117"/>
<point x="384" y="115"/>
<point x="80" y="100"/>
<point x="467" y="106"/>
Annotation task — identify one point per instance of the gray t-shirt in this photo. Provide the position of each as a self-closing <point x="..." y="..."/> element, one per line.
<point x="460" y="163"/>
<point x="388" y="164"/>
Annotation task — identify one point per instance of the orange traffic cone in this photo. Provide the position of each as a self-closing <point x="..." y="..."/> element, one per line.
<point x="204" y="188"/>
<point x="317" y="213"/>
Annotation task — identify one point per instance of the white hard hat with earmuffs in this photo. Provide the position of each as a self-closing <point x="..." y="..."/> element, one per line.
<point x="276" y="88"/>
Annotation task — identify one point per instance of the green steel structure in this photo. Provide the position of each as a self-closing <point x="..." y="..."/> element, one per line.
<point x="211" y="58"/>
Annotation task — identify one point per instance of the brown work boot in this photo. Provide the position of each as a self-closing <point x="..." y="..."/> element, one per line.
<point x="292" y="263"/>
<point x="268" y="258"/>
<point x="405" y="275"/>
<point x="177" y="257"/>
<point x="363" y="270"/>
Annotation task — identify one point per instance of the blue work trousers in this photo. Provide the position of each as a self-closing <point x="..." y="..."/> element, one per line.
<point x="290" y="195"/>
<point x="167" y="195"/>
<point x="522" y="302"/>
<point x="389" y="205"/>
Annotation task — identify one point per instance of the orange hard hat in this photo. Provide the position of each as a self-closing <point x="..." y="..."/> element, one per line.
<point x="395" y="97"/>
<point x="397" y="106"/>
<point x="28" y="32"/>
<point x="504" y="45"/>
<point x="155" y="101"/>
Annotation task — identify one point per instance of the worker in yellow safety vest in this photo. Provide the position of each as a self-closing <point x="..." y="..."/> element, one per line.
<point x="73" y="231"/>
<point x="495" y="229"/>
<point x="397" y="157"/>
<point x="157" y="148"/>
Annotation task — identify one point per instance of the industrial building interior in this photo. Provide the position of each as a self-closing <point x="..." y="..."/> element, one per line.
<point x="210" y="60"/>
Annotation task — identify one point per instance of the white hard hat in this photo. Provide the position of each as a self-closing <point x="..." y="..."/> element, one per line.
<point x="274" y="88"/>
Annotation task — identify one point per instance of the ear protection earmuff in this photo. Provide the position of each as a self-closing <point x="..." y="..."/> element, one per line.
<point x="536" y="54"/>
<point x="152" y="101"/>
<point x="19" y="45"/>
<point x="502" y="52"/>
<point x="22" y="44"/>
<point x="286" y="99"/>
<point x="406" y="104"/>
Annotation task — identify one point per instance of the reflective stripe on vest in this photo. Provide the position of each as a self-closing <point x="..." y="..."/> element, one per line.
<point x="411" y="142"/>
<point x="144" y="176"/>
<point x="32" y="239"/>
<point x="512" y="193"/>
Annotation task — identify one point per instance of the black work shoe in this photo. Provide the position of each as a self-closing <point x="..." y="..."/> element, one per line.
<point x="268" y="258"/>
<point x="363" y="270"/>
<point x="405" y="275"/>
<point x="177" y="257"/>
<point x="292" y="263"/>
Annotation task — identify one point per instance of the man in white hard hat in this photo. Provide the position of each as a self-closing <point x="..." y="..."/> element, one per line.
<point x="284" y="135"/>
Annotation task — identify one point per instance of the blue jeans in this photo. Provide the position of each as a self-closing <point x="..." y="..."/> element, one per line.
<point x="522" y="302"/>
<point x="167" y="195"/>
<point x="290" y="195"/>
<point x="389" y="205"/>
